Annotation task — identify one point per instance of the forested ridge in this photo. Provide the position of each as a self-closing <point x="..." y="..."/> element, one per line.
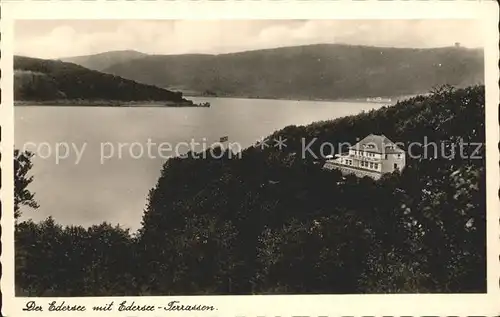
<point x="42" y="80"/>
<point x="101" y="61"/>
<point x="320" y="71"/>
<point x="274" y="223"/>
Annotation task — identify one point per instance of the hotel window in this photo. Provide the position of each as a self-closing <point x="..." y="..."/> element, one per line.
<point x="375" y="165"/>
<point x="371" y="165"/>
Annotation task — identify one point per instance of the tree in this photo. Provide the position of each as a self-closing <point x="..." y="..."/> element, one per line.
<point x="22" y="195"/>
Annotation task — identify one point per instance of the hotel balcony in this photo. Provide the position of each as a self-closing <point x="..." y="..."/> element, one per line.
<point x="367" y="158"/>
<point x="361" y="158"/>
<point x="356" y="170"/>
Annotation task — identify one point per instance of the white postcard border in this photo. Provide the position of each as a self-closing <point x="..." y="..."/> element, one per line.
<point x="258" y="305"/>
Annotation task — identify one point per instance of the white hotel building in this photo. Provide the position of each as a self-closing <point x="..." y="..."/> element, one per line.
<point x="373" y="156"/>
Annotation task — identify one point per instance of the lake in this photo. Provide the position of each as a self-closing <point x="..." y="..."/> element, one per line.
<point x="104" y="177"/>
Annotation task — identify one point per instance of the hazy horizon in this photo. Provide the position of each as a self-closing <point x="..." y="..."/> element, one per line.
<point x="44" y="38"/>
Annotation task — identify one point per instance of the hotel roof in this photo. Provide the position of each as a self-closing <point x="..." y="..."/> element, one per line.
<point x="377" y="144"/>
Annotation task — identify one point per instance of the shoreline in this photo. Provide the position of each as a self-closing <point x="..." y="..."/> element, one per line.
<point x="105" y="103"/>
<point x="185" y="104"/>
<point x="393" y="99"/>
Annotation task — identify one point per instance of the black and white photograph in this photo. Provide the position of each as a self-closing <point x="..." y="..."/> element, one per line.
<point x="249" y="157"/>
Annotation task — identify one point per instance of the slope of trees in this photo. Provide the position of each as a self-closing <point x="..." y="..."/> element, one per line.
<point x="328" y="71"/>
<point x="39" y="80"/>
<point x="272" y="222"/>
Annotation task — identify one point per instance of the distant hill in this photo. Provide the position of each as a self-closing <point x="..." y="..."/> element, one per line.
<point x="41" y="80"/>
<point x="102" y="61"/>
<point x="323" y="71"/>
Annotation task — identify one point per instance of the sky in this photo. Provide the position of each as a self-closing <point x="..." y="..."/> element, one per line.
<point x="63" y="38"/>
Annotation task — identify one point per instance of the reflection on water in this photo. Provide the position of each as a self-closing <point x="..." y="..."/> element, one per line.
<point x="93" y="190"/>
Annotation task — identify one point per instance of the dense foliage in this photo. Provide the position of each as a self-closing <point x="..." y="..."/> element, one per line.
<point x="272" y="222"/>
<point x="323" y="71"/>
<point x="39" y="80"/>
<point x="73" y="261"/>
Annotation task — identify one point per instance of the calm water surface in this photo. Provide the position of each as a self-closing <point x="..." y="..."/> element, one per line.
<point x="115" y="190"/>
